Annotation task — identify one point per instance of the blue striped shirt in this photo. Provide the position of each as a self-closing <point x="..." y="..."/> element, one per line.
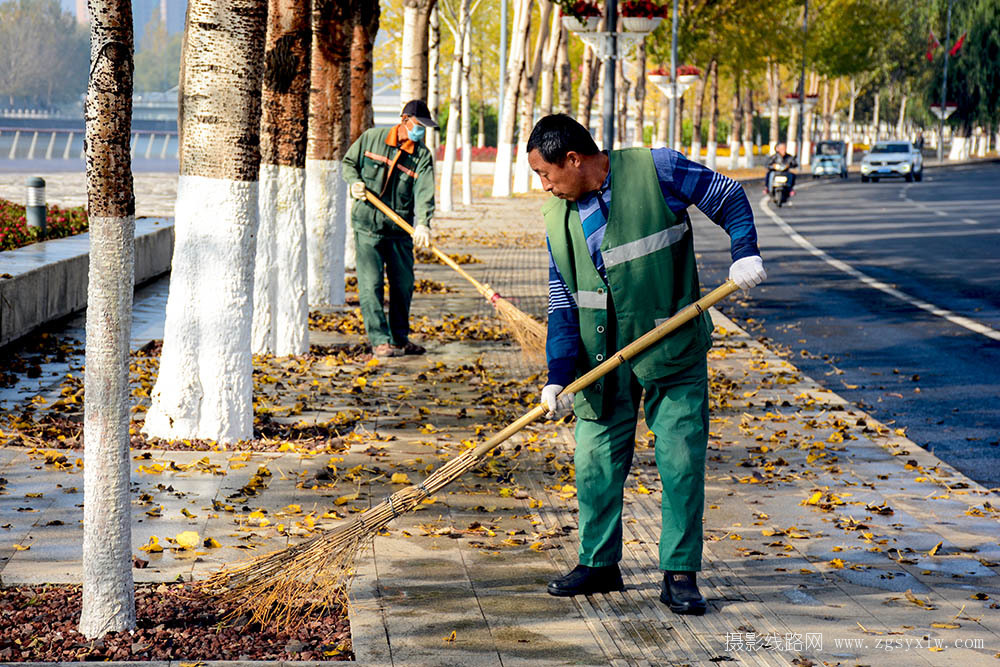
<point x="683" y="183"/>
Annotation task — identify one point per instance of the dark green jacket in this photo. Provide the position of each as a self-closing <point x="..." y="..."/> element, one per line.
<point x="410" y="188"/>
<point x="649" y="259"/>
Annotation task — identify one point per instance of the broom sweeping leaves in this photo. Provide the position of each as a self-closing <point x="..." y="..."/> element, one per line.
<point x="288" y="586"/>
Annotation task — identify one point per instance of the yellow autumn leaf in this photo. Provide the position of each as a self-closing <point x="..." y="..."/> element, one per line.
<point x="935" y="549"/>
<point x="343" y="500"/>
<point x="186" y="512"/>
<point x="399" y="478"/>
<point x="211" y="543"/>
<point x="946" y="626"/>
<point x="452" y="637"/>
<point x="568" y="488"/>
<point x="836" y="564"/>
<point x="505" y="493"/>
<point x="643" y="490"/>
<point x="187" y="539"/>
<point x="153" y="546"/>
<point x="21" y="547"/>
<point x="814" y="498"/>
<point x="293" y="509"/>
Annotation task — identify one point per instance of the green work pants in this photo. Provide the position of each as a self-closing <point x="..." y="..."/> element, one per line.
<point x="378" y="257"/>
<point x="676" y="410"/>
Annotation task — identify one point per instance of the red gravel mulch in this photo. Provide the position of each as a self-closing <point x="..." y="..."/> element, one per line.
<point x="39" y="624"/>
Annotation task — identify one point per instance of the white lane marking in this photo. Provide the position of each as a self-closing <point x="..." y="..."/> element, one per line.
<point x="906" y="197"/>
<point x="970" y="221"/>
<point x="952" y="317"/>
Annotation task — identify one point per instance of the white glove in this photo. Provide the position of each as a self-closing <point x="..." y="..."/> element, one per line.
<point x="358" y="190"/>
<point x="422" y="236"/>
<point x="748" y="271"/>
<point x="559" y="406"/>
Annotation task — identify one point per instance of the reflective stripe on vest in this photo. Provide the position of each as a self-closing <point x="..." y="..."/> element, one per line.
<point x="595" y="300"/>
<point x="644" y="246"/>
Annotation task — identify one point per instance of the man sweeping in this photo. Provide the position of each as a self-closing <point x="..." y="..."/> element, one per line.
<point x="395" y="165"/>
<point x="621" y="260"/>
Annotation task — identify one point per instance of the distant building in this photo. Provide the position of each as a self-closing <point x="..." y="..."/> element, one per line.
<point x="170" y="12"/>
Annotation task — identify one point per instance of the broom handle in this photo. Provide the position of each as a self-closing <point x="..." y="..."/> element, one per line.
<point x="634" y="348"/>
<point x="484" y="290"/>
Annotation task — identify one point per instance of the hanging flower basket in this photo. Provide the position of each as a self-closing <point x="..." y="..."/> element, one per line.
<point x="586" y="24"/>
<point x="641" y="24"/>
<point x="658" y="79"/>
<point x="687" y="79"/>
<point x="642" y="9"/>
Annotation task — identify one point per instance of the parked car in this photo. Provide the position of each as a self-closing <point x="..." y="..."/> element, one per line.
<point x="830" y="159"/>
<point x="892" y="159"/>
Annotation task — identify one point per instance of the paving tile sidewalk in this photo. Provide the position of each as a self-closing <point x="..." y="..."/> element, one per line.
<point x="830" y="538"/>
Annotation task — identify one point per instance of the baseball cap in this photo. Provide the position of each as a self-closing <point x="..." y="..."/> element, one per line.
<point x="418" y="109"/>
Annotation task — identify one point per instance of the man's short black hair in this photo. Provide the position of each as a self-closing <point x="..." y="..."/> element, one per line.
<point x="558" y="134"/>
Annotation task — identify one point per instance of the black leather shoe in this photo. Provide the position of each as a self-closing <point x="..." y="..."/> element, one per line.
<point x="584" y="580"/>
<point x="680" y="592"/>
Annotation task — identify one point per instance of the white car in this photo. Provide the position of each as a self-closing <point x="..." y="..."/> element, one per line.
<point x="892" y="159"/>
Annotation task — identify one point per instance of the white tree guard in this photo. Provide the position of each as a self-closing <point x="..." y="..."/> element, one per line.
<point x="280" y="299"/>
<point x="107" y="519"/>
<point x="522" y="182"/>
<point x="204" y="387"/>
<point x="326" y="231"/>
<point x="501" y="174"/>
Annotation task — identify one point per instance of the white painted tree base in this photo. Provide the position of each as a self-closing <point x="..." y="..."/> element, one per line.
<point x="109" y="591"/>
<point x="350" y="262"/>
<point x="501" y="173"/>
<point x="712" y="155"/>
<point x="522" y="182"/>
<point x="959" y="148"/>
<point x="747" y="159"/>
<point x="204" y="387"/>
<point x="280" y="299"/>
<point x="695" y="151"/>
<point x="326" y="231"/>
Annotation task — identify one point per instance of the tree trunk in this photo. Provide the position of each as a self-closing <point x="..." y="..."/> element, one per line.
<point x="433" y="65"/>
<point x="808" y="122"/>
<point x="446" y="204"/>
<point x="515" y="67"/>
<point x="585" y="93"/>
<point x="747" y="161"/>
<point x="108" y="588"/>
<point x="662" y="124"/>
<point x="828" y="121"/>
<point x="523" y="173"/>
<point x="876" y="130"/>
<point x="736" y="126"/>
<point x="622" y="88"/>
<point x="548" y="73"/>
<point x="205" y="380"/>
<point x="901" y="122"/>
<point x="565" y="69"/>
<point x="850" y="122"/>
<point x="366" y="22"/>
<point x="327" y="208"/>
<point x="281" y="304"/>
<point x="413" y="68"/>
<point x="466" y="104"/>
<point x="679" y="127"/>
<point x="481" y="111"/>
<point x="713" y="118"/>
<point x="774" y="95"/>
<point x="699" y="105"/>
<point x="638" y="138"/>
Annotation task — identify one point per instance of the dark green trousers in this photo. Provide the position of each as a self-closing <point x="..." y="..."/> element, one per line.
<point x="676" y="410"/>
<point x="378" y="257"/>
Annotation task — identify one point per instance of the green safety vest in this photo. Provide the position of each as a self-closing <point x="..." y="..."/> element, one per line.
<point x="649" y="259"/>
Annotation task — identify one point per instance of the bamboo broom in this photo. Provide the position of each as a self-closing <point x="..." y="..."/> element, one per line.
<point x="287" y="586"/>
<point x="527" y="331"/>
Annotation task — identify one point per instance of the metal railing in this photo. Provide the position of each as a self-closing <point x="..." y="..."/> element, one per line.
<point x="67" y="144"/>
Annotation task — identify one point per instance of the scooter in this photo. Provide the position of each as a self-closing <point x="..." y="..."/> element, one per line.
<point x="780" y="184"/>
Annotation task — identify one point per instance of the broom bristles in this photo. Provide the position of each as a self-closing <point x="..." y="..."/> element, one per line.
<point x="528" y="332"/>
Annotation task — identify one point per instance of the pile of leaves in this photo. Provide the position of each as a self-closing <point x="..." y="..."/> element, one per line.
<point x="39" y="624"/>
<point x="60" y="222"/>
<point x="425" y="256"/>
<point x="448" y="328"/>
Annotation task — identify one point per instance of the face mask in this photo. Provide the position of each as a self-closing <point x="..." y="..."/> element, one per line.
<point x="417" y="133"/>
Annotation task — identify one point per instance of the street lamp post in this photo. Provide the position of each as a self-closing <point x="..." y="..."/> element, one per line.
<point x="673" y="79"/>
<point x="608" y="112"/>
<point x="802" y="81"/>
<point x="503" y="55"/>
<point x="944" y="88"/>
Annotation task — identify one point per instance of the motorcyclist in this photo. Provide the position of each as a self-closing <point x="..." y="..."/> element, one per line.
<point x="781" y="158"/>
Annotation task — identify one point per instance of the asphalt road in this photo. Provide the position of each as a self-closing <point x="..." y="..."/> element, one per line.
<point x="889" y="294"/>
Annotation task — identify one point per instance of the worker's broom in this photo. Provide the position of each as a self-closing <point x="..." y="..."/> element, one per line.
<point x="287" y="586"/>
<point x="526" y="330"/>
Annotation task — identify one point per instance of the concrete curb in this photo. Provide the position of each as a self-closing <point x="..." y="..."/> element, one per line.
<point x="49" y="279"/>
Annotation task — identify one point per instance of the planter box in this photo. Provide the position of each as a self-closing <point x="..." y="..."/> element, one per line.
<point x="574" y="24"/>
<point x="49" y="279"/>
<point x="640" y="23"/>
